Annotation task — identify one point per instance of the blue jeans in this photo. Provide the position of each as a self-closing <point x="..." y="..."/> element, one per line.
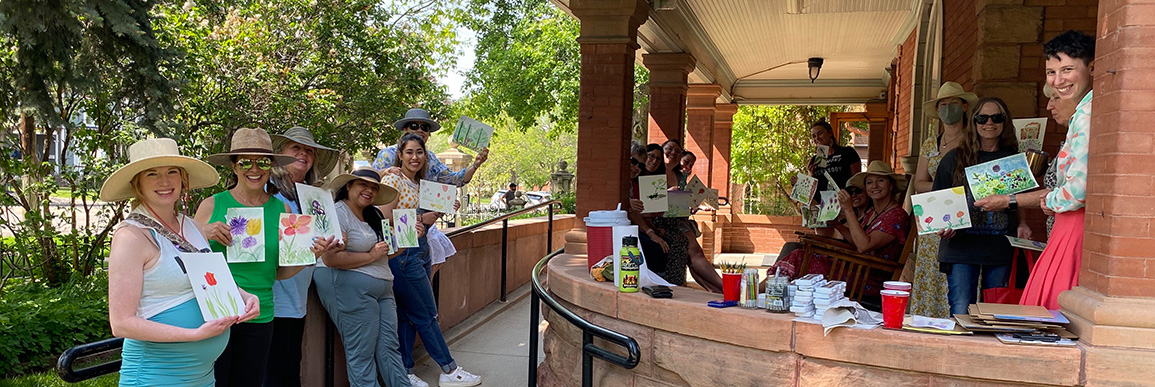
<point x="416" y="308"/>
<point x="365" y="313"/>
<point x="963" y="279"/>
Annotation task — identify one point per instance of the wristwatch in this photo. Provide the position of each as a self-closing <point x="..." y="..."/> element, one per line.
<point x="1014" y="204"/>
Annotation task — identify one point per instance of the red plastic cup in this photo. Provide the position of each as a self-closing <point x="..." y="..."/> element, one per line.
<point x="599" y="244"/>
<point x="894" y="308"/>
<point x="731" y="286"/>
<point x="896" y="285"/>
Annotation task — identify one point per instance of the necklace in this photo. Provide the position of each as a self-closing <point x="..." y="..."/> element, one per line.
<point x="943" y="144"/>
<point x="878" y="214"/>
<point x="179" y="232"/>
<point x="246" y="202"/>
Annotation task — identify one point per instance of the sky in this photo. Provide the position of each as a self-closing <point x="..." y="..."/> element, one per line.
<point x="455" y="81"/>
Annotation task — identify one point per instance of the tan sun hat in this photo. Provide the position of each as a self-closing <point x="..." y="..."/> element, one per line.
<point x="326" y="157"/>
<point x="153" y="153"/>
<point x="385" y="193"/>
<point x="948" y="89"/>
<point x="879" y="168"/>
<point x="250" y="142"/>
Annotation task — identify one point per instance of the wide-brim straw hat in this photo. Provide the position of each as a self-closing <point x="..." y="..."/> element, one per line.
<point x="879" y="168"/>
<point x="326" y="157"/>
<point x="417" y="115"/>
<point x="153" y="153"/>
<point x="250" y="142"/>
<point x="385" y="193"/>
<point x="948" y="89"/>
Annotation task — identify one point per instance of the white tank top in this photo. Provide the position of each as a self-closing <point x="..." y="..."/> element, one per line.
<point x="165" y="283"/>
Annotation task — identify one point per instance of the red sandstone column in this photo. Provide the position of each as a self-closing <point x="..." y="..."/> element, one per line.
<point x="668" y="77"/>
<point x="1113" y="308"/>
<point x="700" y="127"/>
<point x="608" y="41"/>
<point x="723" y="132"/>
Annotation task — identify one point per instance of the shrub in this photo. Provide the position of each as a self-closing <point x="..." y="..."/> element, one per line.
<point x="568" y="202"/>
<point x="41" y="322"/>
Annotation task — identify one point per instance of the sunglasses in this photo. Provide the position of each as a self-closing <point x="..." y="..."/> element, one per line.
<point x="418" y="126"/>
<point x="995" y="118"/>
<point x="853" y="190"/>
<point x="262" y="164"/>
<point x="634" y="161"/>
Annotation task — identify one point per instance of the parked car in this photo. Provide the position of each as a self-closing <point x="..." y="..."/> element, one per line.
<point x="531" y="198"/>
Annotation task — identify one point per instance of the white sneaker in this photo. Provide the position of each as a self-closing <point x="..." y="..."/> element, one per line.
<point x="458" y="378"/>
<point x="416" y="381"/>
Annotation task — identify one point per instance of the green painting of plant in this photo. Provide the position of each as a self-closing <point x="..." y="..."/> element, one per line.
<point x="1004" y="176"/>
<point x="405" y="227"/>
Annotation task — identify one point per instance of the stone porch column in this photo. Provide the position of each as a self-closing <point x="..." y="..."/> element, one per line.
<point x="720" y="155"/>
<point x="1113" y="308"/>
<point x="700" y="127"/>
<point x="609" y="30"/>
<point x="668" y="77"/>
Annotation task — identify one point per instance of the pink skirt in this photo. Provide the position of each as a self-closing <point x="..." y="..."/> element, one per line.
<point x="1058" y="267"/>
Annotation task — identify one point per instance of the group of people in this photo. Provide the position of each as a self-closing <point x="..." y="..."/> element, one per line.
<point x="379" y="302"/>
<point x="948" y="265"/>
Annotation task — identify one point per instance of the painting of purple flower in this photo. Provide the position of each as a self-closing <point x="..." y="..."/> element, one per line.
<point x="249" y="242"/>
<point x="946" y="218"/>
<point x="996" y="168"/>
<point x="404" y="219"/>
<point x="237" y="225"/>
<point x="317" y="209"/>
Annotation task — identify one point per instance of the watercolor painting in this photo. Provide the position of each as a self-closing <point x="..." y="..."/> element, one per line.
<point x="804" y="189"/>
<point x="653" y="193"/>
<point x="318" y="203"/>
<point x="820" y="153"/>
<point x="679" y="204"/>
<point x="405" y="227"/>
<point x="830" y="182"/>
<point x="711" y="198"/>
<point x="387" y="234"/>
<point x="941" y="210"/>
<point x="296" y="240"/>
<point x="472" y="134"/>
<point x="246" y="224"/>
<point x="437" y="197"/>
<point x="1030" y="132"/>
<point x="1004" y="176"/>
<point x="829" y="206"/>
<point x="213" y="285"/>
<point x="697" y="191"/>
<point x="1026" y="243"/>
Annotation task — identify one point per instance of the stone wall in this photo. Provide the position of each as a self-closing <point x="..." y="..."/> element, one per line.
<point x="745" y="233"/>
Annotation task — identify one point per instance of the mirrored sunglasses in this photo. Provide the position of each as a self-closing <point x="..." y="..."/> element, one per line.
<point x="262" y="164"/>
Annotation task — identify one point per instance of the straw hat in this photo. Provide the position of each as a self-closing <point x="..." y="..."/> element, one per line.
<point x="326" y="157"/>
<point x="152" y="153"/>
<point x="385" y="193"/>
<point x="879" y="168"/>
<point x="250" y="142"/>
<point x="948" y="89"/>
<point x="417" y="115"/>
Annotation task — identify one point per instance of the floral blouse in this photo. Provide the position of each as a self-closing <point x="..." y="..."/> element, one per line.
<point x="1071" y="193"/>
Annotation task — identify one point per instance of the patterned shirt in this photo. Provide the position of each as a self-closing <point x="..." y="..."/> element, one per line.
<point x="1071" y="193"/>
<point x="407" y="190"/>
<point x="437" y="170"/>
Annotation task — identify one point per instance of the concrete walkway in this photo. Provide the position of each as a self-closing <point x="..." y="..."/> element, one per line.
<point x="493" y="343"/>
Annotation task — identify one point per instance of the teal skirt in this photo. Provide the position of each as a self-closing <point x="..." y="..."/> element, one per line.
<point x="190" y="363"/>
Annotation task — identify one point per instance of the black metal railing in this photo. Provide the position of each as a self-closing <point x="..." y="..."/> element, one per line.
<point x="538" y="294"/>
<point x="504" y="219"/>
<point x="70" y="357"/>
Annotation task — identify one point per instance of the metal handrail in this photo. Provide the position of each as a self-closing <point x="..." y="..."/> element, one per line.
<point x="505" y="236"/>
<point x="538" y="295"/>
<point x="69" y="357"/>
<point x="472" y="227"/>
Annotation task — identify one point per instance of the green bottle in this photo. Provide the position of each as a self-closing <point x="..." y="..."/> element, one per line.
<point x="631" y="260"/>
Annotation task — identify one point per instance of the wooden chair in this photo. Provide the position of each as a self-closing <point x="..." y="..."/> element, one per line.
<point x="847" y="264"/>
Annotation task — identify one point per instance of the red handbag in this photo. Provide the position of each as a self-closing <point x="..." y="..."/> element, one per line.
<point x="1009" y="294"/>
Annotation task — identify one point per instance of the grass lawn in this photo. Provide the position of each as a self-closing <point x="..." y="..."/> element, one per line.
<point x="50" y="379"/>
<point x="67" y="194"/>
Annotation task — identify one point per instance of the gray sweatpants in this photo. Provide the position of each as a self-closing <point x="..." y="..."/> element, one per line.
<point x="365" y="312"/>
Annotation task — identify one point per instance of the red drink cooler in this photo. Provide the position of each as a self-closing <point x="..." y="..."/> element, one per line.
<point x="599" y="243"/>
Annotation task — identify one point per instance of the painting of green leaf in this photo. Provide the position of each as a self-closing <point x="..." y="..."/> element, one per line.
<point x="652" y="191"/>
<point x="472" y="134"/>
<point x="246" y="225"/>
<point x="296" y="240"/>
<point x="804" y="188"/>
<point x="318" y="203"/>
<point x="941" y="210"/>
<point x="830" y="207"/>
<point x="1005" y="176"/>
<point x="405" y="227"/>
<point x="213" y="285"/>
<point x="387" y="235"/>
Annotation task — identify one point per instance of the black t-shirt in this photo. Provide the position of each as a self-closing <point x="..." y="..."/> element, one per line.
<point x="985" y="243"/>
<point x="509" y="195"/>
<point x="838" y="164"/>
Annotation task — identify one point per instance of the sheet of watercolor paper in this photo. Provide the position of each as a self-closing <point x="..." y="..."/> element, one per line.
<point x="821" y="152"/>
<point x="246" y="224"/>
<point x="318" y="202"/>
<point x="296" y="240"/>
<point x="405" y="227"/>
<point x="679" y="204"/>
<point x="652" y="192"/>
<point x="387" y="233"/>
<point x="804" y="189"/>
<point x="213" y="285"/>
<point x="437" y="197"/>
<point x="1030" y="132"/>
<point x="697" y="190"/>
<point x="830" y="182"/>
<point x="1026" y="243"/>
<point x="472" y="134"/>
<point x="829" y="206"/>
<point x="1004" y="176"/>
<point x="941" y="210"/>
<point x="711" y="198"/>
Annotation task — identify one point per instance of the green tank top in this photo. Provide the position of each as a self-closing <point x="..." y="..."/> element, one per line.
<point x="254" y="277"/>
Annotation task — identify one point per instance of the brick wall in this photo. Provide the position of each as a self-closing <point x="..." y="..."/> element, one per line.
<point x="959" y="33"/>
<point x="901" y="132"/>
<point x="759" y="233"/>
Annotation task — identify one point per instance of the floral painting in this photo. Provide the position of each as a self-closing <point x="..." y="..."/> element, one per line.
<point x="652" y="191"/>
<point x="213" y="285"/>
<point x="246" y="225"/>
<point x="472" y="134"/>
<point x="829" y="206"/>
<point x="697" y="191"/>
<point x="1030" y="132"/>
<point x="1026" y="243"/>
<point x="1004" y="176"/>
<point x="941" y="210"/>
<point x="804" y="189"/>
<point x="387" y="234"/>
<point x="405" y="227"/>
<point x="319" y="204"/>
<point x="296" y="240"/>
<point x="437" y="197"/>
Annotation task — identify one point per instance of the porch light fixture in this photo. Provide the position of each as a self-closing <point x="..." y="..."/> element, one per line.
<point x="815" y="65"/>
